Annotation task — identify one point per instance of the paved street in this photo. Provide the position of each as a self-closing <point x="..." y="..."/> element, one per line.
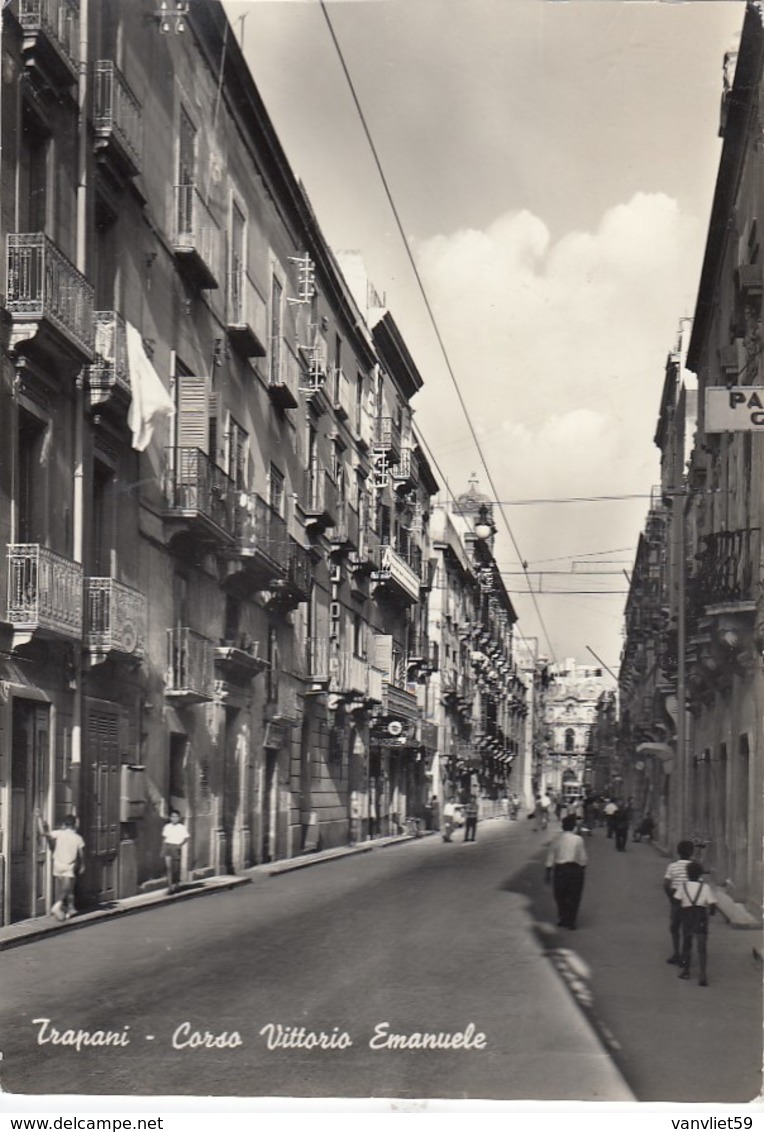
<point x="425" y="936"/>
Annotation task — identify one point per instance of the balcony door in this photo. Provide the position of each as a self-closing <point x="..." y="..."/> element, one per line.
<point x="30" y="748"/>
<point x="30" y="489"/>
<point x="34" y="143"/>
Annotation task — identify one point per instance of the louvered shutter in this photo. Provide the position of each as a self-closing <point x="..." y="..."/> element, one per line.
<point x="383" y="654"/>
<point x="193" y="398"/>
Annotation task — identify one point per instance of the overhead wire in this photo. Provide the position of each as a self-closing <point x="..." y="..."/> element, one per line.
<point x="431" y="315"/>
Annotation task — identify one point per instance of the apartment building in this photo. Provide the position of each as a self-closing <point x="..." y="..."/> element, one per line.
<point x="215" y="515"/>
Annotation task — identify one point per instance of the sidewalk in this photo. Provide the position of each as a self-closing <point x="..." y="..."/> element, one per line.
<point x="27" y="931"/>
<point x="674" y="1040"/>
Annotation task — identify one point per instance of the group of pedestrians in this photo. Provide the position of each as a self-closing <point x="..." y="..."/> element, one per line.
<point x="68" y="848"/>
<point x="691" y="899"/>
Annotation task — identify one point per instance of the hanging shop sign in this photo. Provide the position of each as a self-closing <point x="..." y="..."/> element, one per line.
<point x="739" y="408"/>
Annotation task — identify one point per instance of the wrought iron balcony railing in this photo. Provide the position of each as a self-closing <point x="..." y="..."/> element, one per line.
<point x="728" y="569"/>
<point x="387" y="437"/>
<point x="197" y="236"/>
<point x="44" y="591"/>
<point x="197" y="489"/>
<point x="405" y="474"/>
<point x="190" y="669"/>
<point x="117" y="114"/>
<point x="345" y="531"/>
<point x="394" y="572"/>
<point x="299" y="570"/>
<point x="318" y="659"/>
<point x="320" y="499"/>
<point x="59" y="22"/>
<point x="43" y="286"/>
<point x="109" y="371"/>
<point x="260" y="531"/>
<point x="116" y="617"/>
<point x="247" y="317"/>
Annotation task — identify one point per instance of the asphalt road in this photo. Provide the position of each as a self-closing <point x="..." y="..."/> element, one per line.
<point x="419" y="937"/>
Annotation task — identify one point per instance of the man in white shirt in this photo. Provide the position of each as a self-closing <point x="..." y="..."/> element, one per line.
<point x="565" y="867"/>
<point x="449" y="819"/>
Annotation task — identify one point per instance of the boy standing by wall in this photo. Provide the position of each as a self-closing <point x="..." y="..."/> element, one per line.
<point x="68" y="853"/>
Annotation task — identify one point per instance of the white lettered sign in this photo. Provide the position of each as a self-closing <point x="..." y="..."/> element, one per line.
<point x="736" y="409"/>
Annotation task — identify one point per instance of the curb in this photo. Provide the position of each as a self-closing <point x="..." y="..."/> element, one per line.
<point x="28" y="931"/>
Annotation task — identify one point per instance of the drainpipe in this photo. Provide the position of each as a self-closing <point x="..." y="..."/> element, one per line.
<point x="79" y="395"/>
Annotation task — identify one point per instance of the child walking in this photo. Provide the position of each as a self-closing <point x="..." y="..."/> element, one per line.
<point x="174" y="837"/>
<point x="697" y="904"/>
<point x="675" y="874"/>
<point x="68" y="862"/>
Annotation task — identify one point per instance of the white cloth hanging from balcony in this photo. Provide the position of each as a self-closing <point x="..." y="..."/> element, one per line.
<point x="150" y="401"/>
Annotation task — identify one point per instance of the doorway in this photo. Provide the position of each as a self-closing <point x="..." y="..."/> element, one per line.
<point x="270" y="803"/>
<point x="30" y="749"/>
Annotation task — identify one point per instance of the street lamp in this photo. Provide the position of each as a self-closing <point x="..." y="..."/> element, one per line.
<point x="484" y="527"/>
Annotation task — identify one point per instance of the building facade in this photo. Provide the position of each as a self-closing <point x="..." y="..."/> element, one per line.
<point x="215" y="511"/>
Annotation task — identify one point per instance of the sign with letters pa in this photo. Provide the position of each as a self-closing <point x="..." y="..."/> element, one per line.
<point x="736" y="409"/>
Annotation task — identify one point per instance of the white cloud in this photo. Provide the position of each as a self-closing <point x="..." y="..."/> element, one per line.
<point x="559" y="348"/>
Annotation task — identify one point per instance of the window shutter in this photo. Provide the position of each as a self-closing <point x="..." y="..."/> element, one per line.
<point x="193" y="412"/>
<point x="383" y="654"/>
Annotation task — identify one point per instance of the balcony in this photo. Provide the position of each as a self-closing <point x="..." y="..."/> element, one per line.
<point x="387" y="438"/>
<point x="246" y="319"/>
<point x="189" y="677"/>
<point x="283" y="376"/>
<point x="199" y="493"/>
<point x="321" y="501"/>
<point x="397" y="702"/>
<point x="50" y="46"/>
<point x="342" y="396"/>
<point x="728" y="571"/>
<point x="237" y="662"/>
<point x="44" y="594"/>
<point x="345" y="532"/>
<point x="48" y="299"/>
<point x="318" y="662"/>
<point x="405" y="474"/>
<point x="197" y="238"/>
<point x="261" y="551"/>
<point x="116" y="620"/>
<point x="117" y="122"/>
<point x="394" y="577"/>
<point x="108" y="383"/>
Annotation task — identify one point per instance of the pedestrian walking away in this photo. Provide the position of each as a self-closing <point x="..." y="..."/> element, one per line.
<point x="541" y="812"/>
<point x="565" y="869"/>
<point x="514" y="807"/>
<point x="697" y="904"/>
<point x="505" y="806"/>
<point x="174" y="837"/>
<point x="449" y="819"/>
<point x="609" y="811"/>
<point x="676" y="873"/>
<point x="621" y="823"/>
<point x="471" y="820"/>
<point x="68" y="862"/>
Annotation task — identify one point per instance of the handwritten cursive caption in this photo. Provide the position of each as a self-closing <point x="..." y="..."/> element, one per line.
<point x="273" y="1036"/>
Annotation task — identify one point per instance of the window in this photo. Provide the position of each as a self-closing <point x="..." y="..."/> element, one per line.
<point x="101" y="524"/>
<point x="237" y="313"/>
<point x="186" y="173"/>
<point x="237" y="448"/>
<point x="33" y="173"/>
<point x="32" y="435"/>
<point x="359" y="641"/>
<point x="337" y="368"/>
<point x="277" y="292"/>
<point x="358" y="401"/>
<point x="276" y="490"/>
<point x="570" y="739"/>
<point x="312" y="466"/>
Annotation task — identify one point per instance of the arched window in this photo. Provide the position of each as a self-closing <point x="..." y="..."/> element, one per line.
<point x="570" y="739"/>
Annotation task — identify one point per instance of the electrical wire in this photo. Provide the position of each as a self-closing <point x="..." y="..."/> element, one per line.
<point x="430" y="312"/>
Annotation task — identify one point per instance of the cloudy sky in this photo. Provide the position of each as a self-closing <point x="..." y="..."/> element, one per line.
<point x="552" y="165"/>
